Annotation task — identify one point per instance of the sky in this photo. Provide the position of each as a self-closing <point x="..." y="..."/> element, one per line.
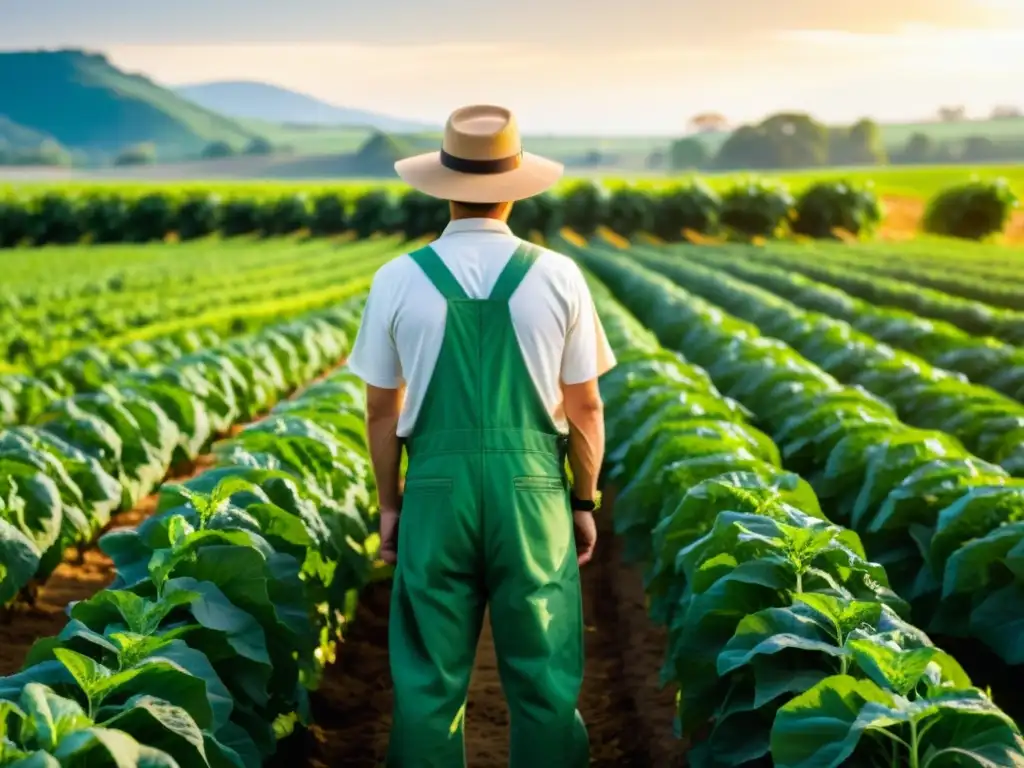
<point x="567" y="66"/>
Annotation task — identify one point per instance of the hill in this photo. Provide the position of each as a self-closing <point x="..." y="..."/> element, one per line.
<point x="18" y="136"/>
<point x="261" y="101"/>
<point x="82" y="101"/>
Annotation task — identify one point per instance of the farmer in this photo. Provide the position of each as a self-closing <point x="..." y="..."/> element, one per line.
<point x="481" y="355"/>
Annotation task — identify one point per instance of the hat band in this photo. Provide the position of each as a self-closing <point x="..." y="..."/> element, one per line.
<point x="481" y="167"/>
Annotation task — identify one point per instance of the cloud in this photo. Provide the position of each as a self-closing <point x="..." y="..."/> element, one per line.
<point x="567" y="24"/>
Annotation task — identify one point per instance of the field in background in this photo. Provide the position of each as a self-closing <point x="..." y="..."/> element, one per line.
<point x="314" y="140"/>
<point x="904" y="190"/>
<point x="901" y="181"/>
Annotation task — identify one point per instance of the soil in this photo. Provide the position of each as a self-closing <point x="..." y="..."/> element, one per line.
<point x="628" y="718"/>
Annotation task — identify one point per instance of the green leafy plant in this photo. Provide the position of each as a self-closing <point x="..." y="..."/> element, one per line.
<point x="329" y="216"/>
<point x="630" y="211"/>
<point x="774" y="614"/>
<point x="198" y="216"/>
<point x="758" y="208"/>
<point x="693" y="206"/>
<point x="972" y="211"/>
<point x="585" y="207"/>
<point x="830" y="206"/>
<point x="227" y="604"/>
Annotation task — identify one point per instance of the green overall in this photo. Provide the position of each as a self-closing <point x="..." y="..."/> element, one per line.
<point x="485" y="520"/>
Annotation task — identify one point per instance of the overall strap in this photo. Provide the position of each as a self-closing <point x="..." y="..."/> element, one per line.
<point x="514" y="272"/>
<point x="437" y="273"/>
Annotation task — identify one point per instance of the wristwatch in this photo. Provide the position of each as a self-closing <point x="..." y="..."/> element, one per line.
<point x="585" y="505"/>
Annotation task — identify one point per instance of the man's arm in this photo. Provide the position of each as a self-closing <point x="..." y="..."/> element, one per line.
<point x="383" y="407"/>
<point x="585" y="413"/>
<point x="375" y="360"/>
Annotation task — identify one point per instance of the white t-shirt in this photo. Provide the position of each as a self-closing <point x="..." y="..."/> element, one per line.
<point x="553" y="314"/>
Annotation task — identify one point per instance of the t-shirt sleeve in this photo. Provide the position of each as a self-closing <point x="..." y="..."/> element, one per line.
<point x="587" y="355"/>
<point x="374" y="357"/>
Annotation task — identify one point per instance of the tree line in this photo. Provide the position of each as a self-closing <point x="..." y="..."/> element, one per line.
<point x="797" y="140"/>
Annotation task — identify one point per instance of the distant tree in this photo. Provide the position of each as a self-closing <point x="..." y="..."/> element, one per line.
<point x="1006" y="112"/>
<point x="688" y="154"/>
<point x="258" y="146"/>
<point x="50" y="152"/>
<point x="920" y="148"/>
<point x="140" y="154"/>
<point x="217" y="149"/>
<point x="952" y="114"/>
<point x="785" y="140"/>
<point x="709" y="122"/>
<point x="656" y="160"/>
<point x="593" y="157"/>
<point x="47" y="152"/>
<point x="746" y="147"/>
<point x="979" y="149"/>
<point x="860" y="144"/>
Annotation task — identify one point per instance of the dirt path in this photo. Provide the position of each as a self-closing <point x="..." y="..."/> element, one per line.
<point x="629" y="720"/>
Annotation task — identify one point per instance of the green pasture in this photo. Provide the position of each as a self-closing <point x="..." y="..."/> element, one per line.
<point x="903" y="181"/>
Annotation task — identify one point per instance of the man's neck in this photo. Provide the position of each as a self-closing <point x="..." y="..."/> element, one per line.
<point x="503" y="218"/>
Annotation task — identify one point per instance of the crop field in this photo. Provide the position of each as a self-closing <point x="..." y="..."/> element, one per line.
<point x="812" y="549"/>
<point x="902" y="181"/>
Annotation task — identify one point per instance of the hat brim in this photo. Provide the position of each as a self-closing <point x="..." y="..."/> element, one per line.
<point x="534" y="175"/>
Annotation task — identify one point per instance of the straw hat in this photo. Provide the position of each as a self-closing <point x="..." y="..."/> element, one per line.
<point x="481" y="161"/>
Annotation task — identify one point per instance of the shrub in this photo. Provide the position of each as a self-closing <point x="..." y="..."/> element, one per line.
<point x="375" y="211"/>
<point x="691" y="206"/>
<point x="328" y="217"/>
<point x="241" y="216"/>
<point x="971" y="211"/>
<point x="284" y="216"/>
<point x="151" y="217"/>
<point x="14" y="222"/>
<point x="630" y="211"/>
<point x="217" y="149"/>
<point x="541" y="213"/>
<point x="104" y="217"/>
<point x="140" y="154"/>
<point x="422" y="214"/>
<point x="756" y="209"/>
<point x="198" y="216"/>
<point x="56" y="219"/>
<point x="258" y="146"/>
<point x="585" y="206"/>
<point x="828" y="206"/>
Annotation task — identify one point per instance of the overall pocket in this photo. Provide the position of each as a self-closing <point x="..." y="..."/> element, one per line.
<point x="418" y="485"/>
<point x="544" y="521"/>
<point x="540" y="484"/>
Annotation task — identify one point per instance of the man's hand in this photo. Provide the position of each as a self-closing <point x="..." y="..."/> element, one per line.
<point x="389" y="537"/>
<point x="383" y="407"/>
<point x="586" y="536"/>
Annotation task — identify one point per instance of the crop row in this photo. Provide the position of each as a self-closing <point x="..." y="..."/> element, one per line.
<point x="781" y="632"/>
<point x="999" y="289"/>
<point x="985" y="361"/>
<point x="998" y="286"/>
<point x="943" y="522"/>
<point x="88" y="455"/>
<point x="227" y="604"/>
<point x="971" y="316"/>
<point x="35" y="336"/>
<point x="988" y="423"/>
